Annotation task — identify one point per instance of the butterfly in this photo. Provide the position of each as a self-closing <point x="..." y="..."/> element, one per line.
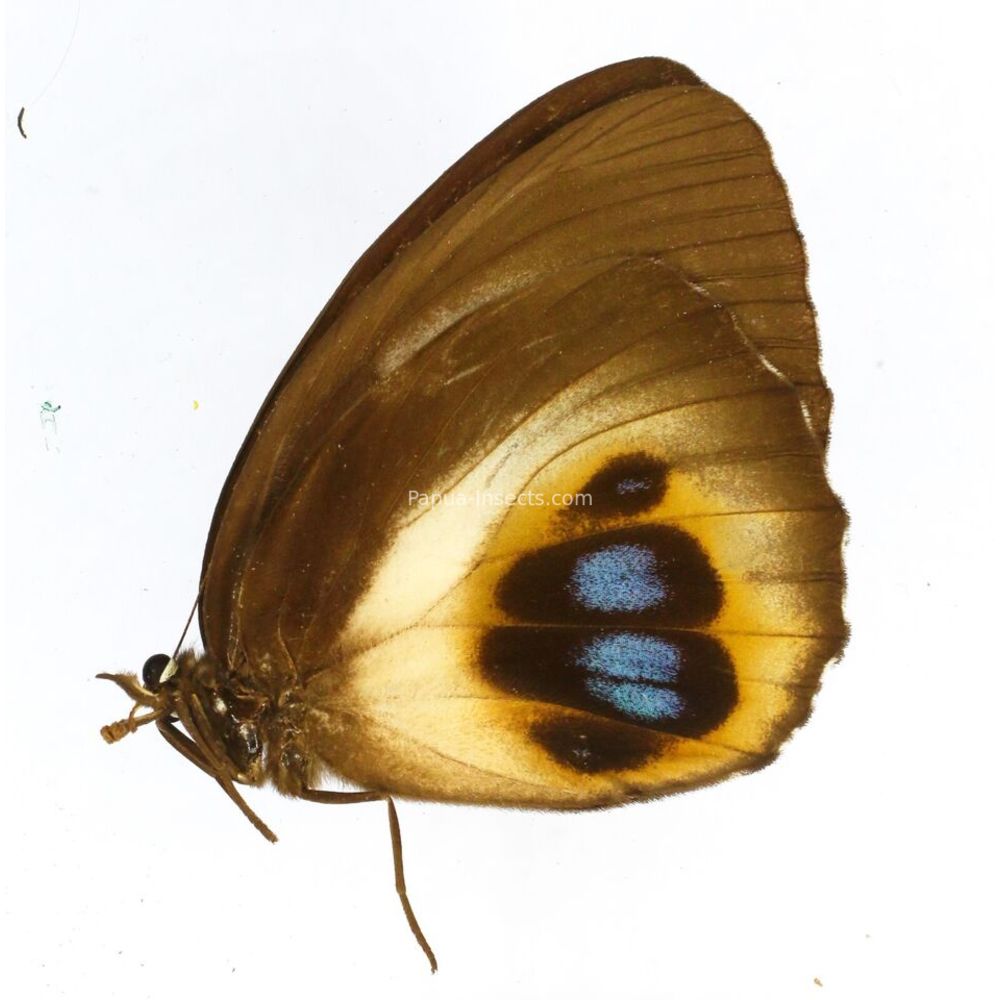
<point x="536" y="514"/>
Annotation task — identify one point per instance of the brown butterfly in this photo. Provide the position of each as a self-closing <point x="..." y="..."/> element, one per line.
<point x="536" y="514"/>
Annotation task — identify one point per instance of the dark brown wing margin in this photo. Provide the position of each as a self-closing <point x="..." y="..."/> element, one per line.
<point x="519" y="133"/>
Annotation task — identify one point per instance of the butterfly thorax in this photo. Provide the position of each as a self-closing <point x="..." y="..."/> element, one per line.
<point x="243" y="724"/>
<point x="267" y="698"/>
<point x="226" y="714"/>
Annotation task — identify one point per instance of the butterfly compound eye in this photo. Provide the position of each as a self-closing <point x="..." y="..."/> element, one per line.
<point x="152" y="671"/>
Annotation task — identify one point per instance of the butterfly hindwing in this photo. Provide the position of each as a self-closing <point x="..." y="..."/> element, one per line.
<point x="667" y="631"/>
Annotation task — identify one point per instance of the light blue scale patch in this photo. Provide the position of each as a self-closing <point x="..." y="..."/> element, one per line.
<point x="625" y="487"/>
<point x="632" y="656"/>
<point x="618" y="578"/>
<point x="618" y="663"/>
<point x="638" y="701"/>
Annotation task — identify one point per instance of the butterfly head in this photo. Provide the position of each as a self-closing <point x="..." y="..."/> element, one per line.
<point x="223" y="721"/>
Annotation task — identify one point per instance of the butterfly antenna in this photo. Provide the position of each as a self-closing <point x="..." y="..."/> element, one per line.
<point x="187" y="625"/>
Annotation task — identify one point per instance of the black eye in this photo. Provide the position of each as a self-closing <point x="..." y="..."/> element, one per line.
<point x="152" y="670"/>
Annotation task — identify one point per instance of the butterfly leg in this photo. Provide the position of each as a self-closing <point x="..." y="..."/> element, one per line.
<point x="345" y="798"/>
<point x="186" y="747"/>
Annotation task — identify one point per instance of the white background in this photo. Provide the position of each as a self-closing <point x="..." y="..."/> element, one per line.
<point x="196" y="180"/>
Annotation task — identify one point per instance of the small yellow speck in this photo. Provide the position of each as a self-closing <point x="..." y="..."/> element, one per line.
<point x="195" y="404"/>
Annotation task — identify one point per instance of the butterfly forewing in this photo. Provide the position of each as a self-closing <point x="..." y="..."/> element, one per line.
<point x="606" y="300"/>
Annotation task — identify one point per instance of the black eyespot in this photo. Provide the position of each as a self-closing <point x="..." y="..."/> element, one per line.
<point x="650" y="574"/>
<point x="627" y="485"/>
<point x="593" y="746"/>
<point x="152" y="670"/>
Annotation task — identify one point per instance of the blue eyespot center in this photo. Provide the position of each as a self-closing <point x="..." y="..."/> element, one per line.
<point x="621" y="577"/>
<point x="626" y="487"/>
<point x="635" y="656"/>
<point x="643" y="702"/>
<point x="629" y="671"/>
